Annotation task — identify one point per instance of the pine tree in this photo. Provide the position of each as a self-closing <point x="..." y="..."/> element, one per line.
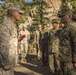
<point x="69" y="4"/>
<point x="40" y="18"/>
<point x="23" y="5"/>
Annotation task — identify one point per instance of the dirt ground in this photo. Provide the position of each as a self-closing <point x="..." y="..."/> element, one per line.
<point x="32" y="67"/>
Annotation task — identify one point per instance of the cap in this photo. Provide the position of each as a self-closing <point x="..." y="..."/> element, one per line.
<point x="48" y="25"/>
<point x="24" y="26"/>
<point x="17" y="8"/>
<point x="40" y="26"/>
<point x="55" y="21"/>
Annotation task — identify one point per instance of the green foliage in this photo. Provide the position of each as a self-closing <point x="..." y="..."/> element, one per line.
<point x="20" y="21"/>
<point x="68" y="5"/>
<point x="63" y="8"/>
<point x="23" y="5"/>
<point x="39" y="17"/>
<point x="2" y="13"/>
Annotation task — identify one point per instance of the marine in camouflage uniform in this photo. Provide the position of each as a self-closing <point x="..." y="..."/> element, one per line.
<point x="38" y="40"/>
<point x="8" y="40"/>
<point x="54" y="47"/>
<point x="67" y="49"/>
<point x="24" y="43"/>
<point x="44" y="45"/>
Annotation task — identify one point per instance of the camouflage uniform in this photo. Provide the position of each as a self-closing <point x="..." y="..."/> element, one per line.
<point x="8" y="44"/>
<point x="24" y="43"/>
<point x="67" y="49"/>
<point x="37" y="41"/>
<point x="38" y="46"/>
<point x="53" y="50"/>
<point x="44" y="45"/>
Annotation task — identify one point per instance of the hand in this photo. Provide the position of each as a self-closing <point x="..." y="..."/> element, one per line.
<point x="6" y="67"/>
<point x="74" y="64"/>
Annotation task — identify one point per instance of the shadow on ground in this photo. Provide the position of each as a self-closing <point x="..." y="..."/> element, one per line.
<point x="20" y="73"/>
<point x="33" y="59"/>
<point x="35" y="65"/>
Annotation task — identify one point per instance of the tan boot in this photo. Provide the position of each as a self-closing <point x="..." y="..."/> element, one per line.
<point x="24" y="59"/>
<point x="21" y="60"/>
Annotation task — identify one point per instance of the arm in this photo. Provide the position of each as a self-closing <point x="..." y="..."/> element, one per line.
<point x="4" y="47"/>
<point x="73" y="43"/>
<point x="4" y="64"/>
<point x="21" y="36"/>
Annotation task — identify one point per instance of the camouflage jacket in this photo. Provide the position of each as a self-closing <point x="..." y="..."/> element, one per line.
<point x="8" y="41"/>
<point x="54" y="41"/>
<point x="67" y="49"/>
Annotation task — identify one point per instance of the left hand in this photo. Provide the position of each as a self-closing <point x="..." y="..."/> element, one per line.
<point x="6" y="67"/>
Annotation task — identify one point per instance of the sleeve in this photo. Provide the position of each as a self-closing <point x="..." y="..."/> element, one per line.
<point x="51" y="34"/>
<point x="28" y="36"/>
<point x="5" y="35"/>
<point x="19" y="34"/>
<point x="73" y="43"/>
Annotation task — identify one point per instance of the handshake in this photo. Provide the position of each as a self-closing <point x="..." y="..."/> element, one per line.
<point x="21" y="37"/>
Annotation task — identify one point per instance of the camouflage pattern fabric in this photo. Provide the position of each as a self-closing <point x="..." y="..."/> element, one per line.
<point x="53" y="51"/>
<point x="67" y="68"/>
<point x="38" y="47"/>
<point x="8" y="44"/>
<point x="32" y="45"/>
<point x="67" y="49"/>
<point x="24" y="42"/>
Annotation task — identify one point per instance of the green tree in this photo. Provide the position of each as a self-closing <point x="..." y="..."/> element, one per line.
<point x="39" y="17"/>
<point x="23" y="5"/>
<point x="69" y="4"/>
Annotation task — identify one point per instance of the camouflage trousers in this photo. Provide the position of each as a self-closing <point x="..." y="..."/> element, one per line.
<point x="24" y="49"/>
<point x="0" y="71"/>
<point x="67" y="68"/>
<point x="54" y="64"/>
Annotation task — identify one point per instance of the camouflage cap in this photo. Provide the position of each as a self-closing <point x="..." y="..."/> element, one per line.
<point x="48" y="25"/>
<point x="17" y="8"/>
<point x="39" y="26"/>
<point x="56" y="21"/>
